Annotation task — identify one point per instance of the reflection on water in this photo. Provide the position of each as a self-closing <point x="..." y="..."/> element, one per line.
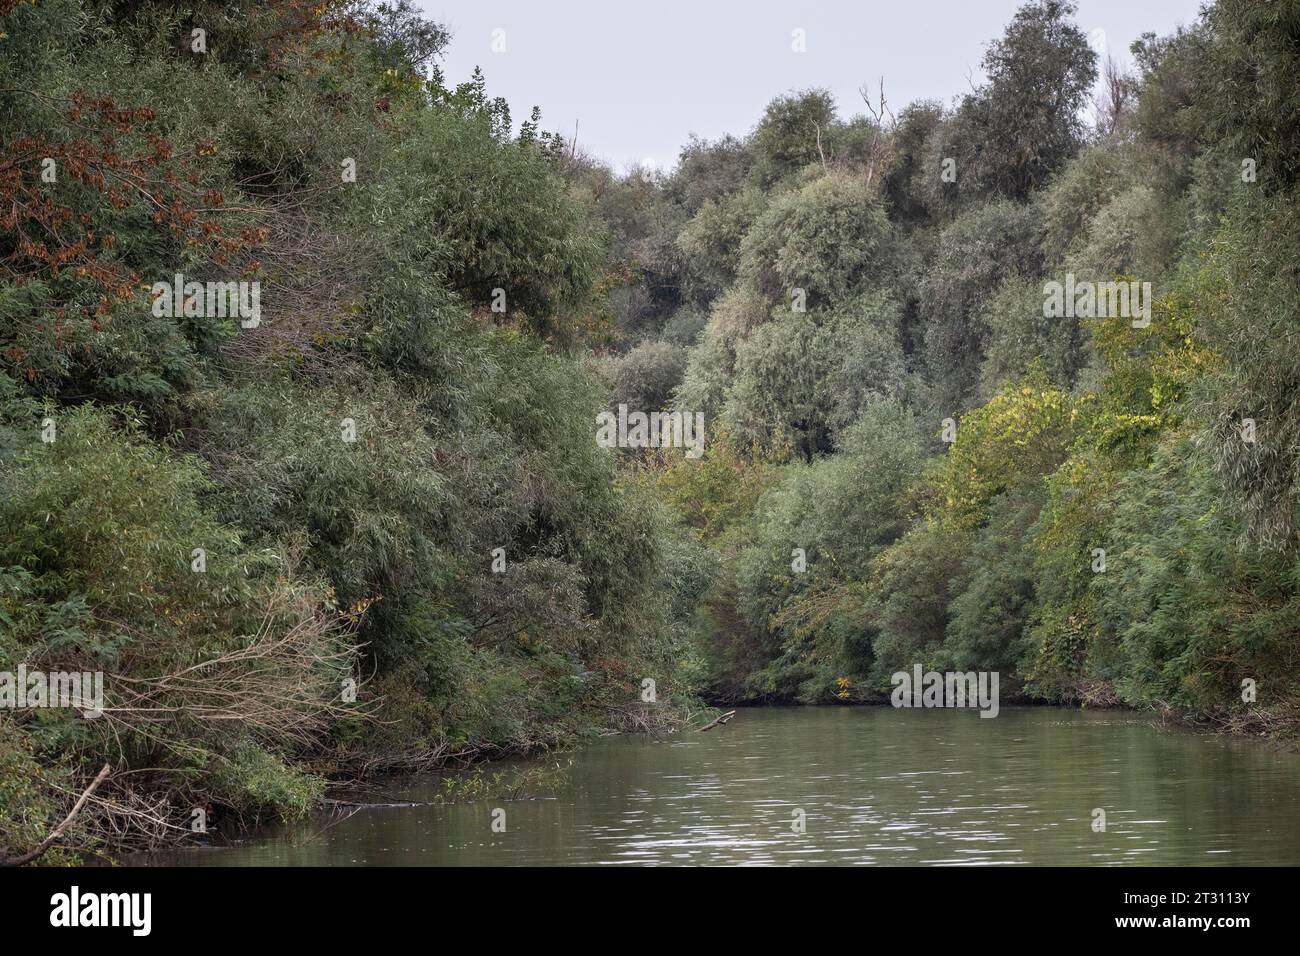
<point x="877" y="786"/>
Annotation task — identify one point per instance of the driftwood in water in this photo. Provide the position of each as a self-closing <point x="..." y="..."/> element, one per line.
<point x="721" y="719"/>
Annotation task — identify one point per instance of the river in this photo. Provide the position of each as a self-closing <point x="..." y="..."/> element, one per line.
<point x="875" y="786"/>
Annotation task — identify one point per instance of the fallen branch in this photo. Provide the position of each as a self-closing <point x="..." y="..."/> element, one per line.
<point x="57" y="835"/>
<point x="720" y="720"/>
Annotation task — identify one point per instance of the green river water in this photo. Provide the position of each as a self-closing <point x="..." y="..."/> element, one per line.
<point x="875" y="786"/>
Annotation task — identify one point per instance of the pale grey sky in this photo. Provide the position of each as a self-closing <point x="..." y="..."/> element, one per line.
<point x="639" y="78"/>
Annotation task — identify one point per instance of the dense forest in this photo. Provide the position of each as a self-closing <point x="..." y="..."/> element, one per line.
<point x="367" y="526"/>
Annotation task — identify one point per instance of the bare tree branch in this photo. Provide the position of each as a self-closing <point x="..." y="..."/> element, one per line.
<point x="37" y="852"/>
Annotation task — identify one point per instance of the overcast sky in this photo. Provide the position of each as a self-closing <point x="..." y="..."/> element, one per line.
<point x="639" y="78"/>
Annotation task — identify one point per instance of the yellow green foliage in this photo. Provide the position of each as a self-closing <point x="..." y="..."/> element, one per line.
<point x="1022" y="432"/>
<point x="715" y="491"/>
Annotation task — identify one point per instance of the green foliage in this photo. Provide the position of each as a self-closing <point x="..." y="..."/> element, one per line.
<point x="1013" y="133"/>
<point x="1130" y="235"/>
<point x="988" y="562"/>
<point x="913" y="584"/>
<point x="1023" y="432"/>
<point x="685" y="327"/>
<point x="989" y="615"/>
<point x="975" y="254"/>
<point x="1170" y="114"/>
<point x="787" y="136"/>
<point x="800" y="380"/>
<point x="1248" y="93"/>
<point x="365" y="507"/>
<point x="1193" y="615"/>
<point x="644" y="378"/>
<point x="711" y="239"/>
<point x="711" y="364"/>
<point x="708" y="172"/>
<point x="829" y="238"/>
<point x="102" y="526"/>
<point x="1023" y="342"/>
<point x="841" y="511"/>
<point x="1244" y="312"/>
<point x="324" y="557"/>
<point x="254" y="784"/>
<point x="716" y="492"/>
<point x="1072" y="200"/>
<point x="497" y="218"/>
<point x="1075" y="436"/>
<point x="909" y="183"/>
<point x="27" y="800"/>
